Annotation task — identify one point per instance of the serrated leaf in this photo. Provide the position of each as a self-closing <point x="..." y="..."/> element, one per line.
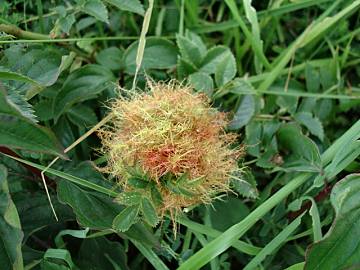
<point x="92" y="209"/>
<point x="96" y="9"/>
<point x="305" y="154"/>
<point x="311" y="122"/>
<point x="340" y="248"/>
<point x="159" y="53"/>
<point x="149" y="212"/>
<point x="202" y="82"/>
<point x="225" y="70"/>
<point x="18" y="101"/>
<point x="128" y="5"/>
<point x="33" y="69"/>
<point x="82" y="116"/>
<point x="189" y="50"/>
<point x="137" y="182"/>
<point x="16" y="131"/>
<point x="244" y="113"/>
<point x="83" y="84"/>
<point x="127" y="217"/>
<point x="184" y="68"/>
<point x="213" y="58"/>
<point x="129" y="198"/>
<point x="10" y="229"/>
<point x="245" y="185"/>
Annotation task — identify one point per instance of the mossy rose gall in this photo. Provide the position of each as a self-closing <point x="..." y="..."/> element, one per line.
<point x="168" y="146"/>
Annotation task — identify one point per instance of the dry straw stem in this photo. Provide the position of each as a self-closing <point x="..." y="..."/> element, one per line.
<point x="171" y="134"/>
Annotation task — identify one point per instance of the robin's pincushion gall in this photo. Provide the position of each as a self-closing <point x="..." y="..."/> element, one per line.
<point x="169" y="147"/>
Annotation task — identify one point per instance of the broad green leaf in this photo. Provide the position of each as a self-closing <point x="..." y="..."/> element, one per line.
<point x="92" y="209"/>
<point x="244" y="113"/>
<point x="189" y="50"/>
<point x="127" y="217"/>
<point x="213" y="58"/>
<point x="11" y="75"/>
<point x="235" y="210"/>
<point x="129" y="198"/>
<point x="128" y="5"/>
<point x="83" y="84"/>
<point x="202" y="82"/>
<point x="340" y="247"/>
<point x="306" y="156"/>
<point x="19" y="132"/>
<point x="312" y="77"/>
<point x="10" y="229"/>
<point x="312" y="123"/>
<point x="52" y="257"/>
<point x="35" y="212"/>
<point x="40" y="65"/>
<point x="82" y="116"/>
<point x="298" y="266"/>
<point x="97" y="9"/>
<point x="245" y="185"/>
<point x="149" y="212"/>
<point x="184" y="68"/>
<point x="104" y="251"/>
<point x="110" y="58"/>
<point x="238" y="86"/>
<point x="159" y="54"/>
<point x="225" y="70"/>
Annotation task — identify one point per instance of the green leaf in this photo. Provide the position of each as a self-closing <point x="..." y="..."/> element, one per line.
<point x="128" y="5"/>
<point x="202" y="82"/>
<point x="137" y="182"/>
<point x="82" y="116"/>
<point x="83" y="84"/>
<point x="159" y="54"/>
<point x="255" y="29"/>
<point x="340" y="248"/>
<point x="129" y="198"/>
<point x="10" y="229"/>
<point x="149" y="212"/>
<point x="82" y="234"/>
<point x="235" y="211"/>
<point x="96" y="9"/>
<point x="92" y="209"/>
<point x="105" y="251"/>
<point x="312" y="77"/>
<point x="189" y="50"/>
<point x="111" y="58"/>
<point x="274" y="244"/>
<point x="245" y="185"/>
<point x="311" y="122"/>
<point x="214" y="57"/>
<point x="306" y="156"/>
<point x="52" y="256"/>
<point x="41" y="64"/>
<point x="10" y="75"/>
<point x="244" y="113"/>
<point x="127" y="217"/>
<point x="298" y="266"/>
<point x="19" y="132"/>
<point x="225" y="70"/>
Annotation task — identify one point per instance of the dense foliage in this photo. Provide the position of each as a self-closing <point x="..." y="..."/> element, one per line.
<point x="285" y="73"/>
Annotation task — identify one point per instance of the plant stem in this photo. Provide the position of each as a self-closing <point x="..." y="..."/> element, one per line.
<point x="17" y="32"/>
